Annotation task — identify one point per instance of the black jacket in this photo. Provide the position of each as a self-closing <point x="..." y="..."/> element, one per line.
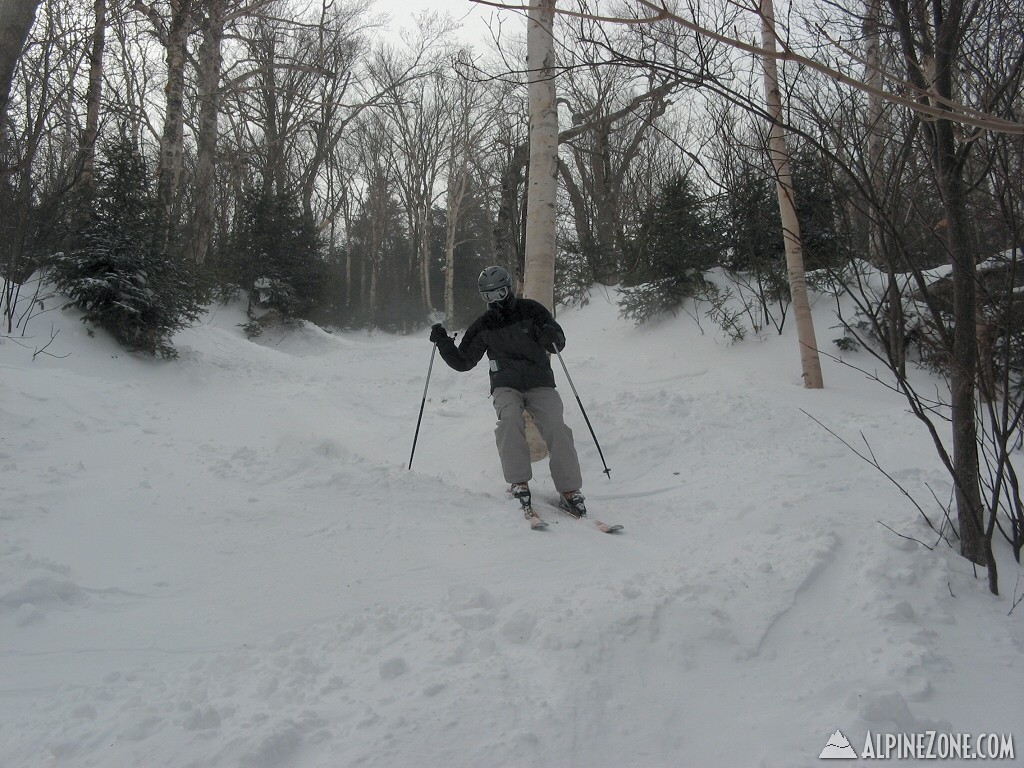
<point x="510" y="338"/>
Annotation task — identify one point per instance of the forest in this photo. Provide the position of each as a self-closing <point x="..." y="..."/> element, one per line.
<point x="325" y="164"/>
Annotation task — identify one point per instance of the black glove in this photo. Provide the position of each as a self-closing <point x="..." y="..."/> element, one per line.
<point x="438" y="333"/>
<point x="551" y="339"/>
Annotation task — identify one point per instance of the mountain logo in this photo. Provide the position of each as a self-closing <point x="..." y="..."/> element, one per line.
<point x="838" y="748"/>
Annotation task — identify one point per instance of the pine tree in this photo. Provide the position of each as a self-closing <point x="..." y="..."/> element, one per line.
<point x="116" y="273"/>
<point x="679" y="239"/>
<point x="276" y="256"/>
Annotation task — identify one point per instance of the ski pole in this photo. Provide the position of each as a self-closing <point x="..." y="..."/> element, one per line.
<point x="423" y="402"/>
<point x="607" y="471"/>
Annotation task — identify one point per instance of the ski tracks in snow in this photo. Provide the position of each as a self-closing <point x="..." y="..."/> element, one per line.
<point x="225" y="563"/>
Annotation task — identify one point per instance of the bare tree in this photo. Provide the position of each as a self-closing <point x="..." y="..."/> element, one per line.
<point x="469" y="125"/>
<point x="417" y="118"/>
<point x="40" y="149"/>
<point x="601" y="159"/>
<point x="941" y="43"/>
<point x="928" y="185"/>
<point x="376" y="169"/>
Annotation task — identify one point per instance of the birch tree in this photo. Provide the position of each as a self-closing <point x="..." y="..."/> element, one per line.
<point x="779" y="152"/>
<point x="543" y="176"/>
<point x="173" y="31"/>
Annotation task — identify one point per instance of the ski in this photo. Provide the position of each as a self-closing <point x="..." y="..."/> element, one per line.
<point x="573" y="512"/>
<point x="535" y="520"/>
<point x="536" y="523"/>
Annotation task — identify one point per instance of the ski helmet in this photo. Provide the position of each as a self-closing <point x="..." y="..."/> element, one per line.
<point x="495" y="286"/>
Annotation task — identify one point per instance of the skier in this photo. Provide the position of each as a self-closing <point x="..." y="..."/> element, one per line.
<point x="517" y="334"/>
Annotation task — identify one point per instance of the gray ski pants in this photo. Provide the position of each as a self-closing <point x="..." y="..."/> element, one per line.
<point x="545" y="405"/>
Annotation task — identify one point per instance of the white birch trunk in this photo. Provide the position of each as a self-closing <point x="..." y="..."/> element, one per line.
<point x="539" y="280"/>
<point x="542" y="185"/>
<point x="779" y="152"/>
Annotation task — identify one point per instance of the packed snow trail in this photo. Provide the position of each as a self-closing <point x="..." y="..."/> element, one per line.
<point x="222" y="561"/>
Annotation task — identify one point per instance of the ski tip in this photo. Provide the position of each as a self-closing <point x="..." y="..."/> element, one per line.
<point x="536" y="522"/>
<point x="606" y="528"/>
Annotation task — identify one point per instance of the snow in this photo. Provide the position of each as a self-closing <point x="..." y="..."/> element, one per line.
<point x="223" y="561"/>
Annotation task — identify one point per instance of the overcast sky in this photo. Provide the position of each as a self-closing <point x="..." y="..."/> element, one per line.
<point x="473" y="16"/>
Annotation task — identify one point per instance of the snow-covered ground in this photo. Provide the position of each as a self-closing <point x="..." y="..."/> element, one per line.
<point x="222" y="560"/>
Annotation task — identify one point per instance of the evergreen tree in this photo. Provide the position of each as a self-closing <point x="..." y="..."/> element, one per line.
<point x="678" y="240"/>
<point x="818" y="208"/>
<point x="277" y="256"/>
<point x="751" y="212"/>
<point x="753" y="237"/>
<point x="114" y="270"/>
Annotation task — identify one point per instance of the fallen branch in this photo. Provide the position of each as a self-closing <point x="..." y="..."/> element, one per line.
<point x="1016" y="600"/>
<point x="42" y="351"/>
<point x="873" y="461"/>
<point x="904" y="536"/>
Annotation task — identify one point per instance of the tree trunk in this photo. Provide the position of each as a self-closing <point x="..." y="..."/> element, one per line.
<point x="507" y="230"/>
<point x="932" y="63"/>
<point x="210" y="63"/>
<point x="607" y="182"/>
<point x="94" y="93"/>
<point x="950" y="172"/>
<point x="458" y="184"/>
<point x="963" y="376"/>
<point x="581" y="219"/>
<point x="172" y="137"/>
<point x="424" y="253"/>
<point x="542" y="183"/>
<point x="787" y="208"/>
<point x="543" y="178"/>
<point x="16" y="19"/>
<point x="273" y="139"/>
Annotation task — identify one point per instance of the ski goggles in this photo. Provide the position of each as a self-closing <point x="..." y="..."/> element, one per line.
<point x="498" y="294"/>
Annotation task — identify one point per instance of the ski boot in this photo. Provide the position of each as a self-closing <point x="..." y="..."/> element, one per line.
<point x="521" y="491"/>
<point x="572" y="503"/>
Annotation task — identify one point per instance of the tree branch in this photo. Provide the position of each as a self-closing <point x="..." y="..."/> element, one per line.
<point x="947" y="109"/>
